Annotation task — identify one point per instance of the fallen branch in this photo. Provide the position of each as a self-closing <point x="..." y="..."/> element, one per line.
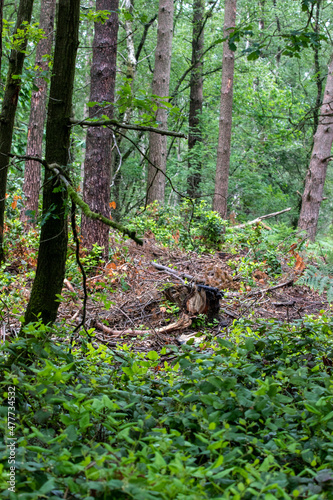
<point x="173" y="272"/>
<point x="115" y="123"/>
<point x="183" y="322"/>
<point x="229" y="313"/>
<point x="259" y="219"/>
<point x="287" y="283"/>
<point x="281" y="304"/>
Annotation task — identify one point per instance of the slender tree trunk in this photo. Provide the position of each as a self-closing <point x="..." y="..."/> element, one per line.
<point x="50" y="271"/>
<point x="1" y="17"/>
<point x="224" y="142"/>
<point x="97" y="166"/>
<point x="196" y="99"/>
<point x="160" y="87"/>
<point x="31" y="184"/>
<point x="321" y="153"/>
<point x="132" y="59"/>
<point x="9" y="105"/>
<point x="278" y="25"/>
<point x="125" y="116"/>
<point x="319" y="82"/>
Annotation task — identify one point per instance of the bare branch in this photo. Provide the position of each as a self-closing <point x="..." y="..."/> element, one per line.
<point x="116" y="124"/>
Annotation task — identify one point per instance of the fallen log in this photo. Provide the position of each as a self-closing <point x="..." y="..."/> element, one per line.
<point x="259" y="219"/>
<point x="183" y="322"/>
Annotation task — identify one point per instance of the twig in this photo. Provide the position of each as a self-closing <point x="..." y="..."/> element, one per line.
<point x="229" y="313"/>
<point x="287" y="283"/>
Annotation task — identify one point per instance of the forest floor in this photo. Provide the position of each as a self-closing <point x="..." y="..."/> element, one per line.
<point x="128" y="300"/>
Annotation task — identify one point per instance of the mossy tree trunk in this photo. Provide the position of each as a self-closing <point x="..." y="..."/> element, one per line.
<point x="50" y="271"/>
<point x="9" y="105"/>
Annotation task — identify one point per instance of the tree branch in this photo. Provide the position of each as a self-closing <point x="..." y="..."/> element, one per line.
<point x="115" y="123"/>
<point x="58" y="171"/>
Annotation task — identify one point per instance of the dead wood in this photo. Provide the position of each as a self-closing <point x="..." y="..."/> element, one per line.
<point x="230" y="313"/>
<point x="195" y="299"/>
<point x="281" y="304"/>
<point x="259" y="219"/>
<point x="265" y="290"/>
<point x="183" y="322"/>
<point x="173" y="272"/>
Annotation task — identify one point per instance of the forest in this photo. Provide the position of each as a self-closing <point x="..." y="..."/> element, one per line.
<point x="166" y="249"/>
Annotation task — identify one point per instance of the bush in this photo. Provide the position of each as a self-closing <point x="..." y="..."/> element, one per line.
<point x="244" y="418"/>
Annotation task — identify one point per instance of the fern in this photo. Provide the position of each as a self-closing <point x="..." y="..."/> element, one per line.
<point x="318" y="280"/>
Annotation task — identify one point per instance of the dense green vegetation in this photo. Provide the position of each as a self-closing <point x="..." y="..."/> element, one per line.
<point x="248" y="416"/>
<point x="243" y="407"/>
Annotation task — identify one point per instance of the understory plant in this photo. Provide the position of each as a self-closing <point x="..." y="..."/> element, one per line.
<point x="247" y="416"/>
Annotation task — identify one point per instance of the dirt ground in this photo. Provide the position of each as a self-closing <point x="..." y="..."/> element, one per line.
<point x="141" y="315"/>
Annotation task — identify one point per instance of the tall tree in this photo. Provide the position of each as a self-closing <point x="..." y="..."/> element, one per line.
<point x="160" y="87"/>
<point x="1" y="16"/>
<point x="225" y="121"/>
<point x="50" y="271"/>
<point x="97" y="166"/>
<point x="320" y="157"/>
<point x="196" y="98"/>
<point x="31" y="184"/>
<point x="9" y="105"/>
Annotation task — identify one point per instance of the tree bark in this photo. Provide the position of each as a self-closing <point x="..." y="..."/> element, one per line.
<point x="318" y="76"/>
<point x="9" y="105"/>
<point x="196" y="99"/>
<point x="1" y="17"/>
<point x="31" y="183"/>
<point x="97" y="166"/>
<point x="116" y="160"/>
<point x="50" y="271"/>
<point x="160" y="87"/>
<point x="224" y="141"/>
<point x="321" y="155"/>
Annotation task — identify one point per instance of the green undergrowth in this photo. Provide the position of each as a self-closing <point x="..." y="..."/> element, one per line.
<point x="249" y="416"/>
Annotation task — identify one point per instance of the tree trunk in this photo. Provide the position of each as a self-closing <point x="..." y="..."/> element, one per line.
<point x="224" y="142"/>
<point x="160" y="87"/>
<point x="97" y="166"/>
<point x="9" y="105"/>
<point x="124" y="117"/>
<point x="318" y="76"/>
<point x="31" y="184"/>
<point x="1" y="17"/>
<point x="321" y="153"/>
<point x="196" y="99"/>
<point x="50" y="271"/>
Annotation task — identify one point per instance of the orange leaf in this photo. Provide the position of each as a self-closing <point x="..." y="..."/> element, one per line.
<point x="111" y="265"/>
<point x="299" y="265"/>
<point x="113" y="204"/>
<point x="163" y="309"/>
<point x="176" y="236"/>
<point x="14" y="203"/>
<point x="292" y="248"/>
